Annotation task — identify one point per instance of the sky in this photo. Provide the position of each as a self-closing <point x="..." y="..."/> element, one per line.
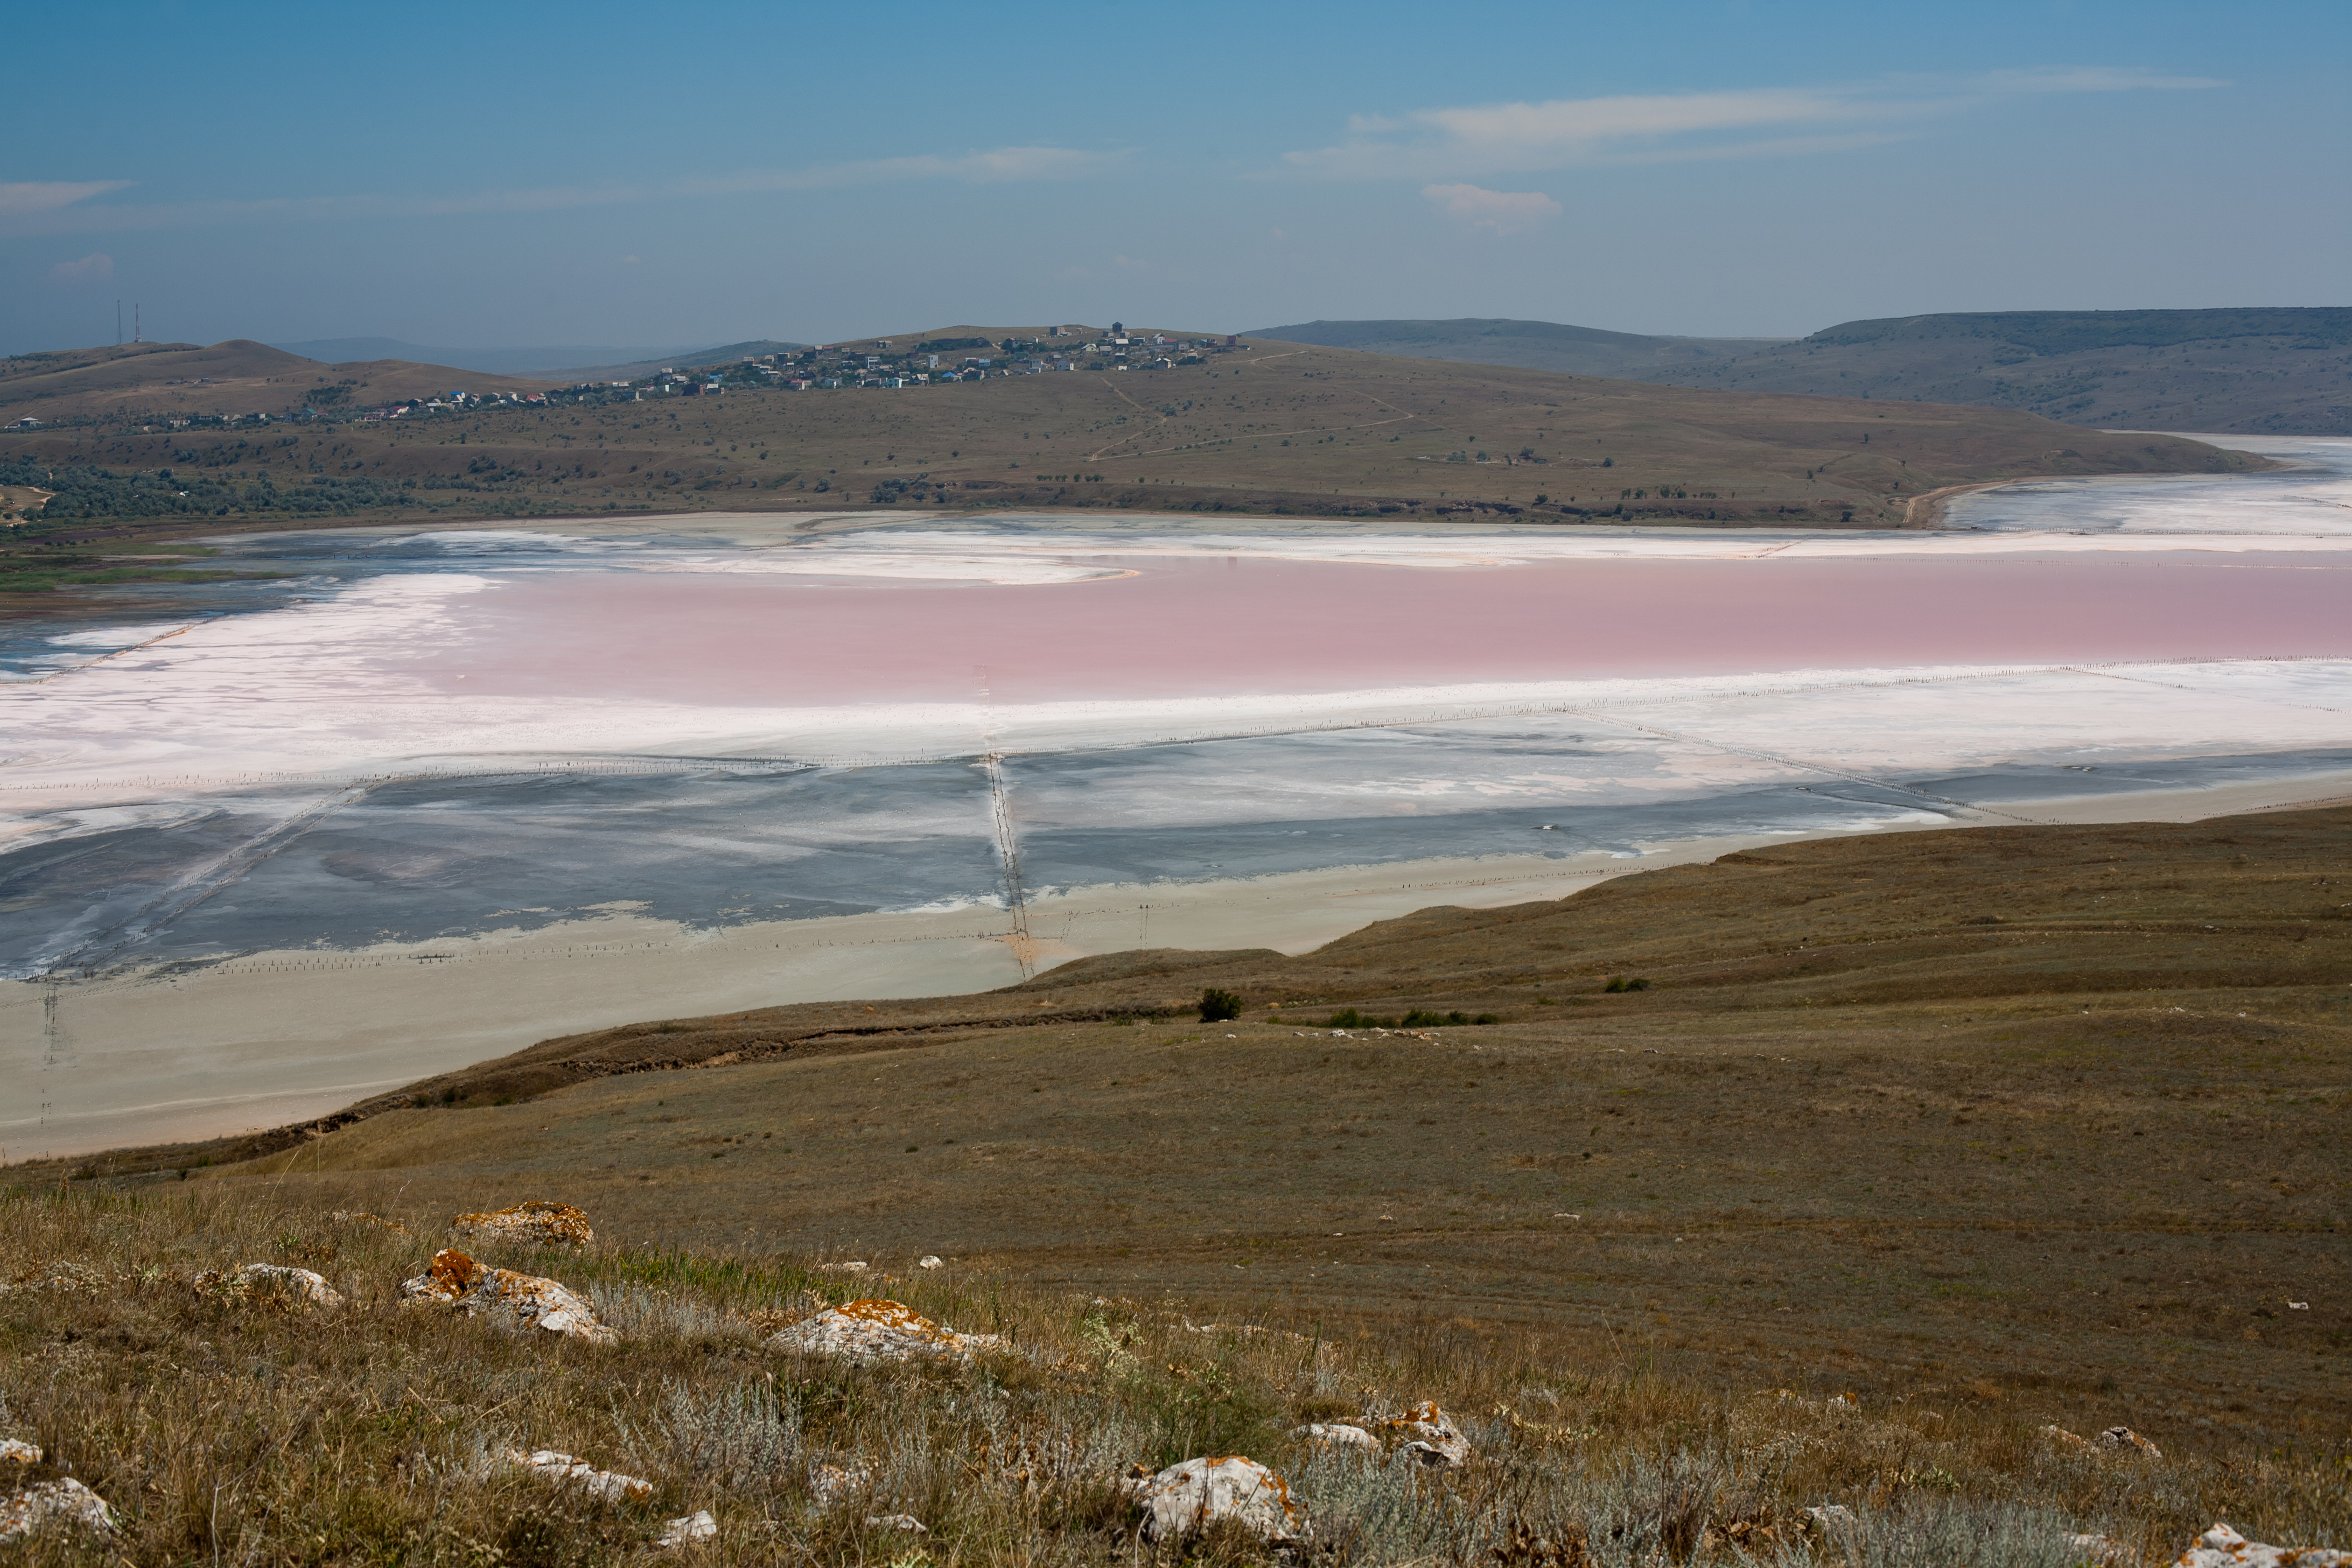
<point x="527" y="174"/>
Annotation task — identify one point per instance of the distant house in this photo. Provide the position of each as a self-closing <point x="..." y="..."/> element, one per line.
<point x="799" y="384"/>
<point x="25" y="423"/>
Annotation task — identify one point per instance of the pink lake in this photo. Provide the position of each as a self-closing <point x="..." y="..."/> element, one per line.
<point x="1242" y="626"/>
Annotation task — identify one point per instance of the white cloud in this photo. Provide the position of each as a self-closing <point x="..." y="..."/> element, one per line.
<point x="46" y="195"/>
<point x="1436" y="143"/>
<point x="98" y="264"/>
<point x="1502" y="212"/>
<point x="54" y="214"/>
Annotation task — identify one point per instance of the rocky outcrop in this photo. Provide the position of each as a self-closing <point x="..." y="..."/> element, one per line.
<point x="879" y="1331"/>
<point x="905" y="1522"/>
<point x="610" y="1485"/>
<point x="16" y="1451"/>
<point x="2124" y="1438"/>
<point x="50" y="1507"/>
<point x="531" y="1225"/>
<point x="1188" y="1498"/>
<point x="2222" y="1547"/>
<point x="1427" y="1433"/>
<point x="524" y="1299"/>
<point x="270" y="1281"/>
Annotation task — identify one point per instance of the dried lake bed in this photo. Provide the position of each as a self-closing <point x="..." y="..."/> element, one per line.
<point x="428" y="795"/>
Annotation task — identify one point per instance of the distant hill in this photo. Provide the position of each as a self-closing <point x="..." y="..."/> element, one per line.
<point x="2259" y="372"/>
<point x="239" y="376"/>
<point x="1259" y="427"/>
<point x="629" y="370"/>
<point x="541" y="361"/>
<point x="1531" y="345"/>
<point x="2284" y="370"/>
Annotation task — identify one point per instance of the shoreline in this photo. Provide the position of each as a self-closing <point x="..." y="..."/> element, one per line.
<point x="181" y="1052"/>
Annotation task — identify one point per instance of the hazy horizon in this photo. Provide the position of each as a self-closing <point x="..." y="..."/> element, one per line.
<point x="1706" y="170"/>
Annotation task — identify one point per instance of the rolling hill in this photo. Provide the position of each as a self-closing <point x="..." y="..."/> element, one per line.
<point x="1260" y="427"/>
<point x="528" y="362"/>
<point x="2057" y="1106"/>
<point x="152" y="382"/>
<point x="2252" y="371"/>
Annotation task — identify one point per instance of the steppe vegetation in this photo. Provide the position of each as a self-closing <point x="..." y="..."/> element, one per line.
<point x="1987" y="1131"/>
<point x="247" y="1426"/>
<point x="1265" y="429"/>
<point x="2270" y="371"/>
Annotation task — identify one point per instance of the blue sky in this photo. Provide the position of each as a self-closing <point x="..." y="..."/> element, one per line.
<point x="495" y="175"/>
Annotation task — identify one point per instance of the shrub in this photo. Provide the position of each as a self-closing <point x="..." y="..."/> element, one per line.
<point x="1219" y="1006"/>
<point x="1626" y="982"/>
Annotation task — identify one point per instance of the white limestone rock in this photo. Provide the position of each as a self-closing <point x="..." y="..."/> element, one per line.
<point x="525" y="1300"/>
<point x="51" y="1506"/>
<point x="875" y="1330"/>
<point x="1184" y="1498"/>
<point x="1339" y="1435"/>
<point x="2124" y="1438"/>
<point x="16" y="1451"/>
<point x="1426" y="1433"/>
<point x="695" y="1526"/>
<point x="290" y="1284"/>
<point x="905" y="1522"/>
<point x="2222" y="1547"/>
<point x="610" y="1485"/>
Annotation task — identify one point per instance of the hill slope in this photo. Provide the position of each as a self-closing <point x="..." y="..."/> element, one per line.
<point x="1262" y="427"/>
<point x="155" y="381"/>
<point x="526" y="362"/>
<point x="1531" y="345"/>
<point x="2256" y="370"/>
<point x="2051" y="1107"/>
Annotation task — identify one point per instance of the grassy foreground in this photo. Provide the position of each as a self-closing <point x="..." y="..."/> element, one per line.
<point x="244" y="1430"/>
<point x="1989" y="1129"/>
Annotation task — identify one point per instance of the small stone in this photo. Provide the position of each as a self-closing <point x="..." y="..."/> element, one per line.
<point x="531" y="1223"/>
<point x="610" y="1485"/>
<point x="16" y="1451"/>
<point x="831" y="1483"/>
<point x="52" y="1505"/>
<point x="876" y="1329"/>
<point x="1187" y="1497"/>
<point x="855" y="1266"/>
<point x="2103" y="1549"/>
<point x="2065" y="1440"/>
<point x="456" y="1280"/>
<point x="695" y="1526"/>
<point x="902" y="1521"/>
<point x="2222" y="1547"/>
<point x="930" y="1260"/>
<point x="2124" y="1438"/>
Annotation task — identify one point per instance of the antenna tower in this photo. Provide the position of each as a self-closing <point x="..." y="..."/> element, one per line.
<point x="117" y="323"/>
<point x="134" y="321"/>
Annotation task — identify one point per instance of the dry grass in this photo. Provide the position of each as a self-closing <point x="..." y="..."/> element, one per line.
<point x="1281" y="428"/>
<point x="243" y="1431"/>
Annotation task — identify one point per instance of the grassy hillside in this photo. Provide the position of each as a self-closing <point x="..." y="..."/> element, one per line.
<point x="155" y="382"/>
<point x="1264" y="427"/>
<point x="1910" y="1148"/>
<point x="2252" y="371"/>
<point x="2047" y="1114"/>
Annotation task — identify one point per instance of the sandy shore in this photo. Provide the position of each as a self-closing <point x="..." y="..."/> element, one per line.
<point x="187" y="1051"/>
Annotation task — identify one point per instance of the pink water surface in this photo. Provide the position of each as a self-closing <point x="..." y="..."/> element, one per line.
<point x="1191" y="627"/>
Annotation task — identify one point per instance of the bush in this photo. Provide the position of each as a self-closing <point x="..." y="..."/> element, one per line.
<point x="1626" y="982"/>
<point x="1219" y="1006"/>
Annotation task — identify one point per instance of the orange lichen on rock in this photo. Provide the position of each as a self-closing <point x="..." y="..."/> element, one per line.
<point x="1429" y="1435"/>
<point x="456" y="1280"/>
<point x="534" y="1224"/>
<point x="2222" y="1547"/>
<point x="880" y="1329"/>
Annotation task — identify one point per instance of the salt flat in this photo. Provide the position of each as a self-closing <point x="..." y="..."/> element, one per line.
<point x="434" y="794"/>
